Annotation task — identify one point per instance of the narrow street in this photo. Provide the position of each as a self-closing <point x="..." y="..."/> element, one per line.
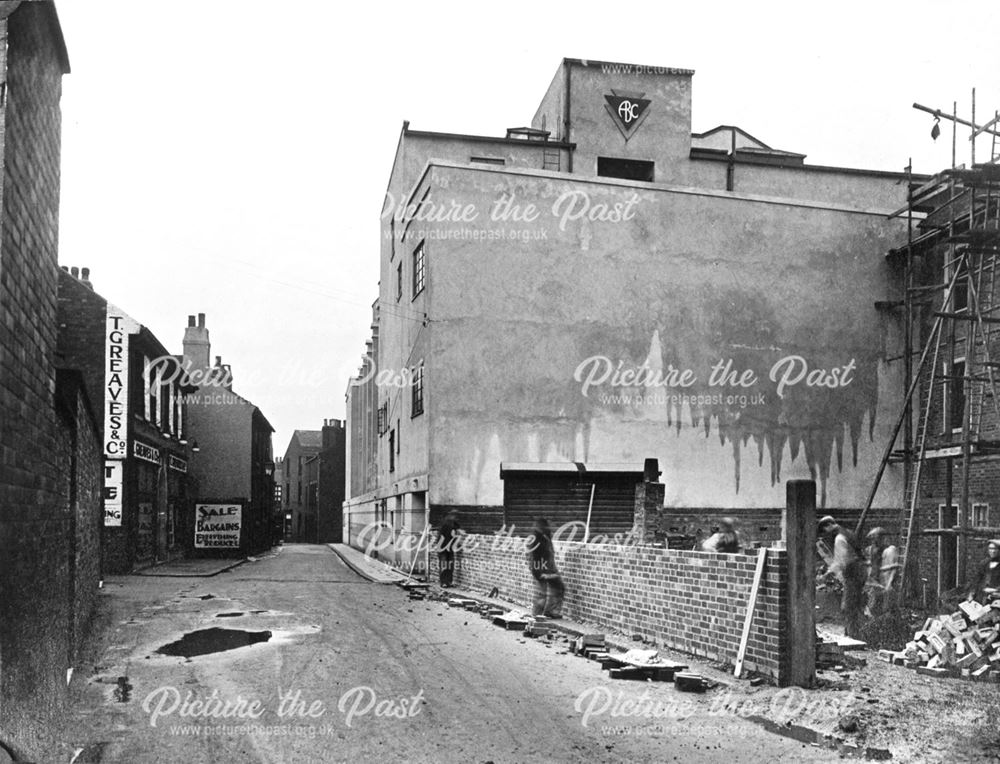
<point x="354" y="671"/>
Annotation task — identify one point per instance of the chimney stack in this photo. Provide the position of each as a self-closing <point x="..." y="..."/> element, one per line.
<point x="197" y="348"/>
<point x="74" y="272"/>
<point x="85" y="277"/>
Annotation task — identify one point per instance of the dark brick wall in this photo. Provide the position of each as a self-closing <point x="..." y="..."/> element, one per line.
<point x="332" y="464"/>
<point x="690" y="601"/>
<point x="34" y="514"/>
<point x="82" y="316"/>
<point x="81" y="479"/>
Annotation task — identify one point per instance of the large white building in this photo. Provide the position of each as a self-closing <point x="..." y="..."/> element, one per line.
<point x="607" y="286"/>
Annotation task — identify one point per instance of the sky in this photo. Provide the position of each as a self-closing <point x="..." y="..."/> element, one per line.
<point x="230" y="157"/>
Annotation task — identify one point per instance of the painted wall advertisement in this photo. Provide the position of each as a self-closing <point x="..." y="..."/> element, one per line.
<point x="217" y="526"/>
<point x="112" y="492"/>
<point x="118" y="326"/>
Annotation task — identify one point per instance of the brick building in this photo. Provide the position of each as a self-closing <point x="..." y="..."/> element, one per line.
<point x="232" y="464"/>
<point x="137" y="384"/>
<point x="302" y="446"/>
<point x="279" y="504"/>
<point x="607" y="286"/>
<point x="330" y="483"/>
<point x="50" y="454"/>
<point x="950" y="440"/>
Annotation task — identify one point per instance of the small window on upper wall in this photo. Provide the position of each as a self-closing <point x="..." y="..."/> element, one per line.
<point x="626" y="169"/>
<point x="955" y="395"/>
<point x="417" y="401"/>
<point x="488" y="160"/>
<point x="418" y="269"/>
<point x="399" y="282"/>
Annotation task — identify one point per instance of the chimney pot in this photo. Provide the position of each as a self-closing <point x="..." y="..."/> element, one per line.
<point x="65" y="268"/>
<point x="75" y="272"/>
<point x="201" y="319"/>
<point x="85" y="273"/>
<point x="218" y="360"/>
<point x="190" y="320"/>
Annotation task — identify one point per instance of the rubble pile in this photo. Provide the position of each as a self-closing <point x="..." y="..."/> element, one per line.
<point x="963" y="644"/>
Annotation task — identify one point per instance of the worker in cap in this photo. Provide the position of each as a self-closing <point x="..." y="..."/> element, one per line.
<point x="844" y="562"/>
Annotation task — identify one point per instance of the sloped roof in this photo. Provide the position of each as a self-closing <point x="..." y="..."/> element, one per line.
<point x="309" y="438"/>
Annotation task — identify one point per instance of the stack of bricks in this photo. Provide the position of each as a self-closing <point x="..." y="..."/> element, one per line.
<point x="963" y="644"/>
<point x="690" y="601"/>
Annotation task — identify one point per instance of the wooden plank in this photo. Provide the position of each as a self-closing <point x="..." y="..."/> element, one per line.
<point x="745" y="638"/>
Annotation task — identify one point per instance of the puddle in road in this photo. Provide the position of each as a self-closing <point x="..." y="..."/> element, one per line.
<point x="205" y="641"/>
<point x="812" y="737"/>
<point x="229" y="615"/>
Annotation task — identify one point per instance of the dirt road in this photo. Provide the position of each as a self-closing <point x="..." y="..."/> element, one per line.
<point x="354" y="671"/>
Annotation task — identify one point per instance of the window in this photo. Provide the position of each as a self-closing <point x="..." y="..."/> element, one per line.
<point x="399" y="282"/>
<point x="955" y="395"/>
<point x="147" y="385"/>
<point x="398" y="432"/>
<point x="171" y="408"/>
<point x="488" y="160"/>
<point x="392" y="450"/>
<point x="383" y="419"/>
<point x="960" y="294"/>
<point x="981" y="516"/>
<point x="627" y="169"/>
<point x="156" y="402"/>
<point x="417" y="402"/>
<point x="418" y="269"/>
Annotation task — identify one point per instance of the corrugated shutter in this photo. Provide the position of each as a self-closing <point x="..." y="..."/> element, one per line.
<point x="564" y="498"/>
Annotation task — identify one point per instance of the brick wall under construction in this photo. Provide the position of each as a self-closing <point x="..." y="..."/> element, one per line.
<point x="694" y="602"/>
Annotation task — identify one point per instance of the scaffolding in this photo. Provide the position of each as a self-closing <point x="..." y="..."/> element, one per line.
<point x="951" y="338"/>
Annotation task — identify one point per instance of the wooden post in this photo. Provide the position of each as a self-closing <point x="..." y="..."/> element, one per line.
<point x="799" y="530"/>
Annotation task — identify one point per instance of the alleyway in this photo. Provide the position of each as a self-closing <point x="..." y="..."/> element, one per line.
<point x="365" y="675"/>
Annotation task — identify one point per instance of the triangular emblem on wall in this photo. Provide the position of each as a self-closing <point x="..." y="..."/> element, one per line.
<point x="627" y="110"/>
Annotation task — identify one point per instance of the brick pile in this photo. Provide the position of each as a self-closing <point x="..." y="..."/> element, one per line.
<point x="964" y="644"/>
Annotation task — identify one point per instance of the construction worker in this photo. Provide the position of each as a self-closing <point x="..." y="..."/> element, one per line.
<point x="883" y="565"/>
<point x="986" y="585"/>
<point x="448" y="534"/>
<point x="845" y="563"/>
<point x="726" y="540"/>
<point x="548" y="584"/>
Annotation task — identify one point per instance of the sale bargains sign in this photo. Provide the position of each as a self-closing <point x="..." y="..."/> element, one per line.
<point x="217" y="526"/>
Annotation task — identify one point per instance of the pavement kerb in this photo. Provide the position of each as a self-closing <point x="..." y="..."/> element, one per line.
<point x="151" y="570"/>
<point x="382" y="573"/>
